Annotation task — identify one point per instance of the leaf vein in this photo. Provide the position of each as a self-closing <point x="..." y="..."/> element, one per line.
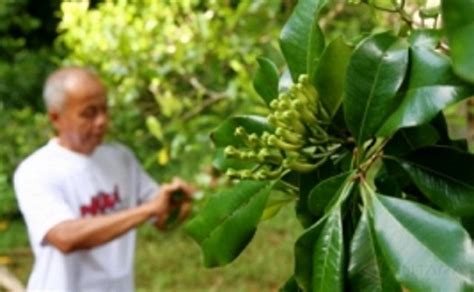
<point x="226" y="218"/>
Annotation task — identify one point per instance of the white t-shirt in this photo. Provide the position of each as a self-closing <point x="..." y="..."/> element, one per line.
<point x="55" y="184"/>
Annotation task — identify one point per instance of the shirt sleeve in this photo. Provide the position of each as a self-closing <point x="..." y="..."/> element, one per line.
<point x="41" y="203"/>
<point x="146" y="187"/>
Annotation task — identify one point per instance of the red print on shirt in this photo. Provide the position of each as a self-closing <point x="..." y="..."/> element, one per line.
<point x="101" y="203"/>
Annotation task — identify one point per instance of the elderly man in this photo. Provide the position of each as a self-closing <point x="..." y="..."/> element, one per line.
<point x="82" y="198"/>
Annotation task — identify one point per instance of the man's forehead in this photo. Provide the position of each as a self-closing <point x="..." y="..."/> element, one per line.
<point x="82" y="79"/>
<point x="84" y="86"/>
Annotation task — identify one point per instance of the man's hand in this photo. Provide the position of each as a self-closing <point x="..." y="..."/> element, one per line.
<point x="173" y="197"/>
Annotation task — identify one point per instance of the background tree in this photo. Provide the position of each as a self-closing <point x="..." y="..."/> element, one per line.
<point x="173" y="67"/>
<point x="27" y="33"/>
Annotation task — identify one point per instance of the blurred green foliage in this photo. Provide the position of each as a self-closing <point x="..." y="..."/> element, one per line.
<point x="23" y="130"/>
<point x="27" y="31"/>
<point x="174" y="69"/>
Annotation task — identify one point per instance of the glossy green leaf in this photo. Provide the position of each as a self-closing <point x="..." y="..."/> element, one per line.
<point x="468" y="224"/>
<point x="325" y="192"/>
<point x="331" y="68"/>
<point x="368" y="270"/>
<point x="304" y="248"/>
<point x="427" y="38"/>
<point x="298" y="36"/>
<point x="275" y="203"/>
<point x="375" y="73"/>
<point x="431" y="88"/>
<point x="266" y="79"/>
<point x="427" y="250"/>
<point x="319" y="255"/>
<point x="310" y="249"/>
<point x="444" y="175"/>
<point x="285" y="81"/>
<point x="409" y="139"/>
<point x="459" y="24"/>
<point x="224" y="136"/>
<point x="328" y="256"/>
<point x="225" y="226"/>
<point x="315" y="48"/>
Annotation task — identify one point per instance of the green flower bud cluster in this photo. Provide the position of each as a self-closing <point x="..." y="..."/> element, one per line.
<point x="298" y="118"/>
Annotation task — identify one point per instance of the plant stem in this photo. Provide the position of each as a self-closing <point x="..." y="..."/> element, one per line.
<point x="400" y="9"/>
<point x="290" y="186"/>
<point x="385" y="9"/>
<point x="365" y="191"/>
<point x="372" y="155"/>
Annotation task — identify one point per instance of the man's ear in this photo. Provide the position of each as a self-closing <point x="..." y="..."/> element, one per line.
<point x="54" y="118"/>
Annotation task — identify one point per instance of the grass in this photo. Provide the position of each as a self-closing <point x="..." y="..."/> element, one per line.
<point x="173" y="262"/>
<point x="15" y="252"/>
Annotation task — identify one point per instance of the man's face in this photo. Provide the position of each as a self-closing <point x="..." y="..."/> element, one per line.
<point x="82" y="122"/>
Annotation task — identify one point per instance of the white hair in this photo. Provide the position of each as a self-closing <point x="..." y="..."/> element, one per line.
<point x="56" y="86"/>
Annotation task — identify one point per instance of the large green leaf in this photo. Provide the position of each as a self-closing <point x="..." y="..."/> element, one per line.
<point x="319" y="255"/>
<point x="224" y="136"/>
<point x="285" y="81"/>
<point x="266" y="80"/>
<point x="311" y="249"/>
<point x="328" y="256"/>
<point x="276" y="201"/>
<point x="315" y="48"/>
<point x="328" y="77"/>
<point x="431" y="88"/>
<point x="225" y="226"/>
<point x="427" y="250"/>
<point x="325" y="192"/>
<point x="375" y="73"/>
<point x="368" y="270"/>
<point x="304" y="249"/>
<point x="409" y="139"/>
<point x="299" y="38"/>
<point x="426" y="38"/>
<point x="459" y="24"/>
<point x="445" y="175"/>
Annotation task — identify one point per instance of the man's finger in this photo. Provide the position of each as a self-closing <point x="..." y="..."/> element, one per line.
<point x="185" y="210"/>
<point x="189" y="190"/>
<point x="161" y="222"/>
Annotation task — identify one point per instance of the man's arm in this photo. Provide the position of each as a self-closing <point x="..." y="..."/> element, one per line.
<point x="86" y="233"/>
